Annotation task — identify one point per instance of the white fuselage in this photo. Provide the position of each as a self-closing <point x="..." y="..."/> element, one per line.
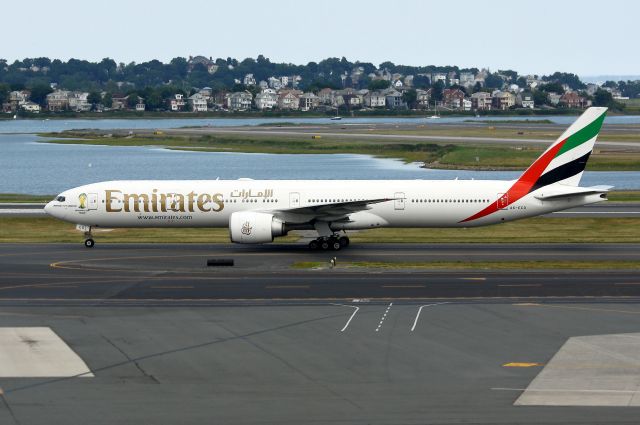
<point x="210" y="203"/>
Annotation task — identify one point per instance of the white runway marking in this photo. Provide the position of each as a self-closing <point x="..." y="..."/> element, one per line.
<point x="384" y="316"/>
<point x="415" y="322"/>
<point x="350" y="317"/>
<point x="38" y="353"/>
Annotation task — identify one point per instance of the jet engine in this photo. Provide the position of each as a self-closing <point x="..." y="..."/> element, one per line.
<point x="254" y="227"/>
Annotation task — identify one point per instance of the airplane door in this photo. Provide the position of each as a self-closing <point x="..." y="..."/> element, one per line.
<point x="294" y="200"/>
<point x="503" y="200"/>
<point x="399" y="200"/>
<point x="92" y="199"/>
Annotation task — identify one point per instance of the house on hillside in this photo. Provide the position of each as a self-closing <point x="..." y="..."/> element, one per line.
<point x="177" y="103"/>
<point x="240" y="101"/>
<point x="308" y="101"/>
<point x="452" y="98"/>
<point x="375" y="99"/>
<point x="573" y="100"/>
<point x="503" y="100"/>
<point x="31" y="107"/>
<point x="481" y="101"/>
<point x="58" y="100"/>
<point x="525" y="100"/>
<point x="197" y="102"/>
<point x="266" y="99"/>
<point x="394" y="99"/>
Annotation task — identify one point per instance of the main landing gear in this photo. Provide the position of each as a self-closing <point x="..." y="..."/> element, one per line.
<point x="329" y="243"/>
<point x="88" y="239"/>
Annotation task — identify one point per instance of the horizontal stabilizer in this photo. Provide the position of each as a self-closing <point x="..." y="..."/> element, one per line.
<point x="569" y="191"/>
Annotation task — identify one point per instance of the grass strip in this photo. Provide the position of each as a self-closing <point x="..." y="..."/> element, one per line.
<point x="477" y="265"/>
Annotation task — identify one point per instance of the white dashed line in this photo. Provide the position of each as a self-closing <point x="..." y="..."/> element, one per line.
<point x="384" y="316"/>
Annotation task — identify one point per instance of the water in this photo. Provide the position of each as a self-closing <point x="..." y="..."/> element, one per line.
<point x="27" y="166"/>
<point x="41" y="126"/>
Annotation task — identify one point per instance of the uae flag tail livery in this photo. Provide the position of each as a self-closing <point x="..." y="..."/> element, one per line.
<point x="561" y="165"/>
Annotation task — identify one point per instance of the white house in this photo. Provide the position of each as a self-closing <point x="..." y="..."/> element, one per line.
<point x="32" y="107"/>
<point x="177" y="103"/>
<point x="287" y="100"/>
<point x="266" y="99"/>
<point x="78" y="101"/>
<point x="375" y="99"/>
<point x="308" y="101"/>
<point x="198" y="102"/>
<point x="249" y="80"/>
<point x="240" y="101"/>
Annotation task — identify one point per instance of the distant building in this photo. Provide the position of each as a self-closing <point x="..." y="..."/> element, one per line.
<point x="177" y="103"/>
<point x="266" y="99"/>
<point x="308" y="101"/>
<point x="394" y="99"/>
<point x="452" y="98"/>
<point x="573" y="100"/>
<point x="481" y="101"/>
<point x="58" y="101"/>
<point x="503" y="100"/>
<point x="197" y="102"/>
<point x="240" y="101"/>
<point x="554" y="98"/>
<point x="467" y="79"/>
<point x="326" y="96"/>
<point x="249" y="80"/>
<point x="207" y="63"/>
<point x="375" y="99"/>
<point x="31" y="107"/>
<point x="78" y="101"/>
<point x="525" y="100"/>
<point x="288" y="100"/>
<point x="423" y="97"/>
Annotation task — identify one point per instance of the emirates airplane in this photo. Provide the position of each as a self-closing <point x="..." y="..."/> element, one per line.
<point x="257" y="211"/>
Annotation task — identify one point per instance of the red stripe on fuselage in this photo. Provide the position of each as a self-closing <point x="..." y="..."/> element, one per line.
<point x="524" y="183"/>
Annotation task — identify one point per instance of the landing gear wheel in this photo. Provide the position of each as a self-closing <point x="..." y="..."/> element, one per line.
<point x="335" y="245"/>
<point x="325" y="245"/>
<point x="89" y="243"/>
<point x="344" y="241"/>
<point x="314" y="245"/>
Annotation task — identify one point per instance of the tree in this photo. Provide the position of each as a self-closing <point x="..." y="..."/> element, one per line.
<point x="410" y="97"/>
<point x="4" y="93"/>
<point x="379" y="85"/>
<point x="493" y="81"/>
<point x="421" y="82"/>
<point x="552" y="87"/>
<point x="39" y="94"/>
<point x="436" y="92"/>
<point x="132" y="100"/>
<point x="540" y="97"/>
<point x="602" y="98"/>
<point x="107" y="100"/>
<point x="94" y="99"/>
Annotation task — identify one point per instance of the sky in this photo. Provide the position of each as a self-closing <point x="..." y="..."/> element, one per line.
<point x="532" y="37"/>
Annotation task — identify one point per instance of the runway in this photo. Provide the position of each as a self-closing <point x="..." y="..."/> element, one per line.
<point x="168" y="340"/>
<point x="178" y="274"/>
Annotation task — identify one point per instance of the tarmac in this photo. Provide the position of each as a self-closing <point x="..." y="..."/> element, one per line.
<point x="169" y="340"/>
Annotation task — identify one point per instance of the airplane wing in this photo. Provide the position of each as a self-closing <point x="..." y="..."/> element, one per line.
<point x="327" y="211"/>
<point x="569" y="191"/>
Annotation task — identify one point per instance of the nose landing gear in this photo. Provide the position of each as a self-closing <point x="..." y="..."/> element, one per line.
<point x="330" y="243"/>
<point x="89" y="243"/>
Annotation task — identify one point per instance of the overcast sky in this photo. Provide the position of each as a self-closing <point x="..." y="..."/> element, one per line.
<point x="541" y="36"/>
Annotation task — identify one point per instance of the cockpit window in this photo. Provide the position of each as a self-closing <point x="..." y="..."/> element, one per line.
<point x="60" y="199"/>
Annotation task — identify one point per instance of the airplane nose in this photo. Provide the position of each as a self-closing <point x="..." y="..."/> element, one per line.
<point x="47" y="208"/>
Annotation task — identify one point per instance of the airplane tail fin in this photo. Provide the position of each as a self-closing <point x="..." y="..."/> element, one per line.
<point x="564" y="161"/>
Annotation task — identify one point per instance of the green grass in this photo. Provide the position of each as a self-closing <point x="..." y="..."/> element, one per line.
<point x="46" y="229"/>
<point x="22" y="198"/>
<point x="434" y="154"/>
<point x="535" y="230"/>
<point x="478" y="265"/>
<point x="532" y="230"/>
<point x="519" y="121"/>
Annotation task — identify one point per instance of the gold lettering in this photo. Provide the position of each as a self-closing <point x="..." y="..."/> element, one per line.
<point x="154" y="200"/>
<point x="217" y="199"/>
<point x="191" y="195"/>
<point x="163" y="202"/>
<point x="136" y="198"/>
<point x="111" y="198"/>
<point x="177" y="202"/>
<point x="203" y="199"/>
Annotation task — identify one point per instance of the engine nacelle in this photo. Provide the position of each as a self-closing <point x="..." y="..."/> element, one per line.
<point x="254" y="227"/>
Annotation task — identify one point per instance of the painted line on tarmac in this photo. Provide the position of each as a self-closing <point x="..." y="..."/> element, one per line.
<point x="346" y="325"/>
<point x="565" y="390"/>
<point x="384" y="316"/>
<point x="415" y="322"/>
